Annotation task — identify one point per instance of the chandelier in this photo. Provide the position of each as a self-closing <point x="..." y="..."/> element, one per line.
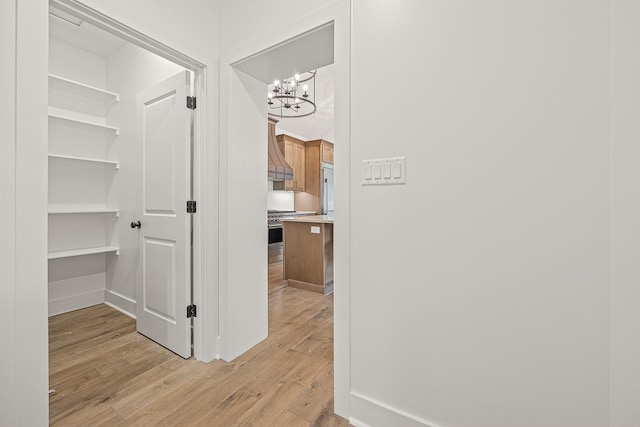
<point x="293" y="97"/>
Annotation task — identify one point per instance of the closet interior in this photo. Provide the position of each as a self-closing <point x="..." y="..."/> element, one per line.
<point x="95" y="164"/>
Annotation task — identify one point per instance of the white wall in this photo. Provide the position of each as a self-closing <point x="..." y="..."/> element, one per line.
<point x="74" y="63"/>
<point x="8" y="410"/>
<point x="23" y="385"/>
<point x="129" y="70"/>
<point x="279" y="200"/>
<point x="243" y="240"/>
<point x="482" y="297"/>
<point x="625" y="211"/>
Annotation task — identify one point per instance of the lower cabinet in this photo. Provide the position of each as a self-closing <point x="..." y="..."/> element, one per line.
<point x="308" y="256"/>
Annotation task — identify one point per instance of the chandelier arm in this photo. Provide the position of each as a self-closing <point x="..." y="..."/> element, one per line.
<point x="286" y="94"/>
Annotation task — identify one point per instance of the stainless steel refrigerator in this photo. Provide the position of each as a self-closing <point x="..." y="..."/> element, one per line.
<point x="327" y="189"/>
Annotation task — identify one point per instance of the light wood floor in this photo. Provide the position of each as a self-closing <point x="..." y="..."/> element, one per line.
<point x="106" y="374"/>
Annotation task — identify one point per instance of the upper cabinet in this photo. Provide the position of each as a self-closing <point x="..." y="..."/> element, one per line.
<point x="317" y="152"/>
<point x="327" y="151"/>
<point x="294" y="154"/>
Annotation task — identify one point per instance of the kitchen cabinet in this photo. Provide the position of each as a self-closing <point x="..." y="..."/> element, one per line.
<point x="294" y="154"/>
<point x="318" y="157"/>
<point x="308" y="253"/>
<point x="327" y="151"/>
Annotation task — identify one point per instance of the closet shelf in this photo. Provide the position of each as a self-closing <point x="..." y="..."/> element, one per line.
<point x="86" y="159"/>
<point x="86" y="251"/>
<point x="115" y="130"/>
<point x="82" y="89"/>
<point x="84" y="211"/>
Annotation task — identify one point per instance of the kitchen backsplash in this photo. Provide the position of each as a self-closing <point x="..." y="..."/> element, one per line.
<point x="279" y="200"/>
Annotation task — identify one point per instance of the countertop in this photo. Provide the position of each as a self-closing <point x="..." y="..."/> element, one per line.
<point x="318" y="219"/>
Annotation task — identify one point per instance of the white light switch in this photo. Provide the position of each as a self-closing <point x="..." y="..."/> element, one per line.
<point x="315" y="229"/>
<point x="368" y="172"/>
<point x="377" y="171"/>
<point x="384" y="171"/>
<point x="397" y="171"/>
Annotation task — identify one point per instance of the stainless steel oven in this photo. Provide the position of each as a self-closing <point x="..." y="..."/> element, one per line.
<point x="274" y="225"/>
<point x="275" y="233"/>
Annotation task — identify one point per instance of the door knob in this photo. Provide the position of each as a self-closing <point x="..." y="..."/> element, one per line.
<point x="136" y="224"/>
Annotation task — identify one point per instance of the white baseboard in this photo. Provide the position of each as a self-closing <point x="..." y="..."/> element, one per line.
<point x="120" y="302"/>
<point x="75" y="302"/>
<point x="368" y="412"/>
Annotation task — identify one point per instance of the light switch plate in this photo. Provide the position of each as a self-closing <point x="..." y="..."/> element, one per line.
<point x="315" y="229"/>
<point x="384" y="171"/>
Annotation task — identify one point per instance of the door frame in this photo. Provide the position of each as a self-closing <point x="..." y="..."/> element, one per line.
<point x="338" y="12"/>
<point x="198" y="189"/>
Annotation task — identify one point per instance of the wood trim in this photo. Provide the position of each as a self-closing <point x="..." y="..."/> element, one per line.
<point x="299" y="284"/>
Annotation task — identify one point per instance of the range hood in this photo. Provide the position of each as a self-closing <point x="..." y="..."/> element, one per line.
<point x="279" y="169"/>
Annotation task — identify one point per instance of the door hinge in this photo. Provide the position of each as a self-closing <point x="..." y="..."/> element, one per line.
<point x="191" y="311"/>
<point x="191" y="102"/>
<point x="191" y="206"/>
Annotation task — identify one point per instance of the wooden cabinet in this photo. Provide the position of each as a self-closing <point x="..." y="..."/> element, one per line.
<point x="317" y="152"/>
<point x="294" y="154"/>
<point x="308" y="255"/>
<point x="327" y="152"/>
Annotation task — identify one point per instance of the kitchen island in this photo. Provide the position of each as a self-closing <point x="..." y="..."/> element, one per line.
<point x="308" y="253"/>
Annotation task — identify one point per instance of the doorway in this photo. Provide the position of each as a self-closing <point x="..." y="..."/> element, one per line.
<point x="100" y="174"/>
<point x="234" y="98"/>
<point x="278" y="62"/>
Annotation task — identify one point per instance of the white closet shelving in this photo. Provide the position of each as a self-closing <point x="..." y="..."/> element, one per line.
<point x="81" y="220"/>
<point x="84" y="251"/>
<point x="88" y="210"/>
<point x="90" y="93"/>
<point x="81" y="89"/>
<point x="86" y="159"/>
<point x="83" y="122"/>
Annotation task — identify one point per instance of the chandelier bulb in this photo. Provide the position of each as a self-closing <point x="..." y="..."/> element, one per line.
<point x="291" y="96"/>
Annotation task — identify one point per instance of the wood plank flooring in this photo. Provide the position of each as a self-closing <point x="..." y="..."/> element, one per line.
<point x="105" y="374"/>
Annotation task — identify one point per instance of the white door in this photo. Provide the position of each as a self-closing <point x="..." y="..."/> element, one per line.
<point x="164" y="272"/>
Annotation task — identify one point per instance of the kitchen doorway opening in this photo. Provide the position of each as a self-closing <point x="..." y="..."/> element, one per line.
<point x="306" y="144"/>
<point x="125" y="112"/>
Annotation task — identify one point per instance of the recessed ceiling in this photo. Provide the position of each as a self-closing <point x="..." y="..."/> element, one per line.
<point x="85" y="36"/>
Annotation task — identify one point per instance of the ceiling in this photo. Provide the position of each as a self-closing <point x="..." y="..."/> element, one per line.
<point x="307" y="51"/>
<point x="85" y="36"/>
<point x="313" y="50"/>
<point x="320" y="124"/>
